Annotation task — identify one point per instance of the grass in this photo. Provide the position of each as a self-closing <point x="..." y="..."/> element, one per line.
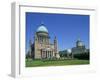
<point x="36" y="63"/>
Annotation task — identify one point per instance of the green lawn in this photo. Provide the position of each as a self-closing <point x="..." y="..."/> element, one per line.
<point x="35" y="63"/>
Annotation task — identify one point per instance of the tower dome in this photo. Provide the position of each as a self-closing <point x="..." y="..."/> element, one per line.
<point x="42" y="28"/>
<point x="79" y="43"/>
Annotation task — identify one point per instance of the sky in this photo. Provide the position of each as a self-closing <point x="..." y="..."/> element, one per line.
<point x="68" y="28"/>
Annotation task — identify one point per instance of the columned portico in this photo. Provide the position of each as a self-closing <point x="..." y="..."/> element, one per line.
<point x="46" y="53"/>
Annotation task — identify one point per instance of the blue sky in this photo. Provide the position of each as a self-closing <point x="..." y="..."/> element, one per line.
<point x="66" y="27"/>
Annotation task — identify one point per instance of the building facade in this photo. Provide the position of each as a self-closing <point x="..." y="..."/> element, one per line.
<point x="80" y="48"/>
<point x="42" y="48"/>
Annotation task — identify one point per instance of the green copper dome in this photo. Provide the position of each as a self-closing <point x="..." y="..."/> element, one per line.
<point x="79" y="43"/>
<point x="42" y="28"/>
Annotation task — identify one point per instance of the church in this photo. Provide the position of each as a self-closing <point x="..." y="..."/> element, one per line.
<point x="42" y="48"/>
<point x="80" y="48"/>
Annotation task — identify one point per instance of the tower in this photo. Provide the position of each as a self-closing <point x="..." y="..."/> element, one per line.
<point x="56" y="48"/>
<point x="55" y="45"/>
<point x="30" y="44"/>
<point x="35" y="45"/>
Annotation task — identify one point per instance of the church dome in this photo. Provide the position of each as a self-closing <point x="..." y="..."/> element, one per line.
<point x="42" y="28"/>
<point x="79" y="43"/>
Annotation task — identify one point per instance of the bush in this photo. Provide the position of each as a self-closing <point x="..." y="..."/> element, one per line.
<point x="84" y="56"/>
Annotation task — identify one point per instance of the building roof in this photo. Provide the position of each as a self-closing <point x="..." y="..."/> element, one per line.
<point x="42" y="28"/>
<point x="79" y="42"/>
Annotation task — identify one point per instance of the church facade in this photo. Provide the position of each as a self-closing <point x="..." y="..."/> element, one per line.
<point x="42" y="48"/>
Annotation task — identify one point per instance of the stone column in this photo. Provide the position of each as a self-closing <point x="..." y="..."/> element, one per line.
<point x="41" y="53"/>
<point x="49" y="54"/>
<point x="45" y="54"/>
<point x="52" y="53"/>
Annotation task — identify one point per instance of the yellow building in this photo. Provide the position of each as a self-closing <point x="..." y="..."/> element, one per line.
<point x="42" y="48"/>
